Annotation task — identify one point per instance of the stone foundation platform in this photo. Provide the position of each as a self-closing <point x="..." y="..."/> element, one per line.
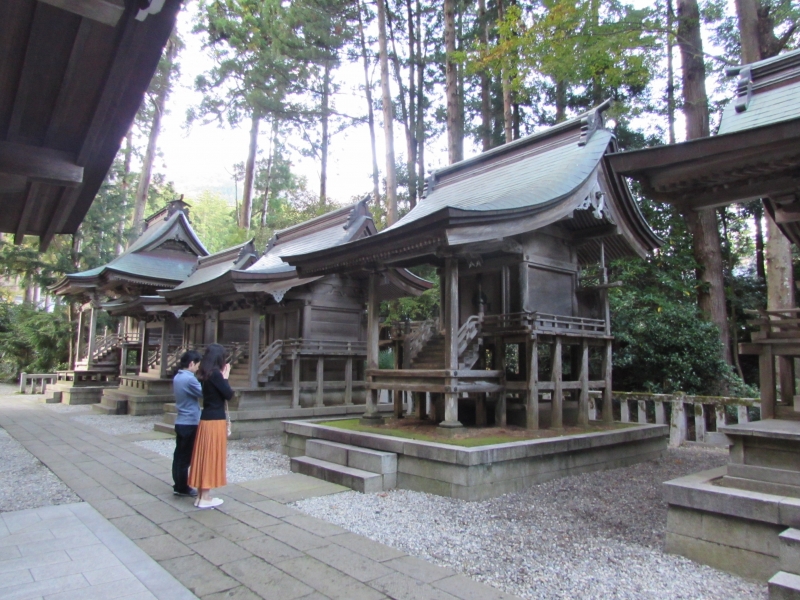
<point x="80" y="387"/>
<point x="490" y="471"/>
<point x="136" y="396"/>
<point x="732" y="518"/>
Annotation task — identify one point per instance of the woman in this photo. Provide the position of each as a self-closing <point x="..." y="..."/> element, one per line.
<point x="211" y="444"/>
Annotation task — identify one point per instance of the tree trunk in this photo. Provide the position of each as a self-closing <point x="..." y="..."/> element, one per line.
<point x="420" y="106"/>
<point x="702" y="224"/>
<point x="486" y="102"/>
<point x="376" y="189"/>
<point x="758" y="213"/>
<point x="391" y="179"/>
<point x="273" y="147"/>
<point x="323" y="172"/>
<point x="246" y="214"/>
<point x="412" y="112"/>
<point x="140" y="203"/>
<point x="508" y="117"/>
<point x="455" y="150"/>
<point x="670" y="75"/>
<point x="561" y="100"/>
<point x="123" y="186"/>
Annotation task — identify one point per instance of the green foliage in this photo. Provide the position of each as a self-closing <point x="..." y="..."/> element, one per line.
<point x="31" y="340"/>
<point x="214" y="222"/>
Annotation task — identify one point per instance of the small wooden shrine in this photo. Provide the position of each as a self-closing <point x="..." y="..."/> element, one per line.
<point x="161" y="258"/>
<point x="736" y="518"/>
<point x="521" y="235"/>
<point x="297" y="343"/>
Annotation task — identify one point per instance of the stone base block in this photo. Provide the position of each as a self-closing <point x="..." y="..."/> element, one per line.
<point x="784" y="586"/>
<point x="78" y="395"/>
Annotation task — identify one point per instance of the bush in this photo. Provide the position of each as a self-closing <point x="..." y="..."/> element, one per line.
<point x="32" y="340"/>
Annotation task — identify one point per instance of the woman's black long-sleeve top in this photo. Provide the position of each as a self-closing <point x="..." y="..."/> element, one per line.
<point x="216" y="391"/>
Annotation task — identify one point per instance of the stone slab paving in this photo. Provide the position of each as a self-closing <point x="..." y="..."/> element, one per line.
<point x="72" y="551"/>
<point x="254" y="546"/>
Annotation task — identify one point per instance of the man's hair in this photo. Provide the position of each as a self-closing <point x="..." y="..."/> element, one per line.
<point x="192" y="356"/>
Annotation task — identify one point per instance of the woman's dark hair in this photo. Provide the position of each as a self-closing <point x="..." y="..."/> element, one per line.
<point x="186" y="359"/>
<point x="213" y="360"/>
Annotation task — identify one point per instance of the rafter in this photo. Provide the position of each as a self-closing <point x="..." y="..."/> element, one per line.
<point x="40" y="164"/>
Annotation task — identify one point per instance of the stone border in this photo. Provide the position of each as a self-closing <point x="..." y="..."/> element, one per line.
<point x="489" y="471"/>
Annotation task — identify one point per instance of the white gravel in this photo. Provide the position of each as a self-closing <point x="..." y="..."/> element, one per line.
<point x="598" y="535"/>
<point x="248" y="459"/>
<point x="25" y="482"/>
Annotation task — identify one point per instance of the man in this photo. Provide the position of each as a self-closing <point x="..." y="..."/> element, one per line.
<point x="187" y="400"/>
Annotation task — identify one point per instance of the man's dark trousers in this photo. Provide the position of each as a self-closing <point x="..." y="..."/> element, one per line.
<point x="184" y="444"/>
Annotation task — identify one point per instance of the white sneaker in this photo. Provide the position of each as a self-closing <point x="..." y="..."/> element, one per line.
<point x="213" y="502"/>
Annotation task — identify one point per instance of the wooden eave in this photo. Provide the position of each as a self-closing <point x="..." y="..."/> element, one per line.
<point x="72" y="77"/>
<point x="715" y="171"/>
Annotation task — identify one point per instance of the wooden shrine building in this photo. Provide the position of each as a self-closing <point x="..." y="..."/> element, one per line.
<point x="162" y="257"/>
<point x="298" y="342"/>
<point x="520" y="235"/>
<point x="742" y="517"/>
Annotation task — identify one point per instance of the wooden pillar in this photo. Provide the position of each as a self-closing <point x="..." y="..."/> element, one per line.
<point x="320" y="381"/>
<point x="123" y="359"/>
<point x="92" y="335"/>
<point x="557" y="418"/>
<point x="255" y="345"/>
<point x="608" y="407"/>
<point x="786" y="379"/>
<point x="451" y="342"/>
<point x="480" y="410"/>
<point x="144" y="336"/>
<point x="421" y="399"/>
<point x="523" y="286"/>
<point x="766" y="369"/>
<point x="505" y="289"/>
<point x="79" y="340"/>
<point x="583" y="401"/>
<point x="164" y="348"/>
<point x="373" y="333"/>
<point x="500" y="415"/>
<point x="296" y="382"/>
<point x="532" y="407"/>
<point x="348" y="380"/>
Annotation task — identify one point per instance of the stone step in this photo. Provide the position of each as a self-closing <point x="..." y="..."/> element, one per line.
<point x="356" y="479"/>
<point x="789" y="551"/>
<point x="365" y="459"/>
<point x="164" y="428"/>
<point x="117" y="408"/>
<point x="784" y="586"/>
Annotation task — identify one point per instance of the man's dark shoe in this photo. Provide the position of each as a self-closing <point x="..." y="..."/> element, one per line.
<point x="190" y="492"/>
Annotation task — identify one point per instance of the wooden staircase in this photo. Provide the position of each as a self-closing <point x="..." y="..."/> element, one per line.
<point x="240" y="372"/>
<point x="432" y="354"/>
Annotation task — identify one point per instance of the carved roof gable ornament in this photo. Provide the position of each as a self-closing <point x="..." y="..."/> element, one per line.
<point x="744" y="90"/>
<point x="595" y="201"/>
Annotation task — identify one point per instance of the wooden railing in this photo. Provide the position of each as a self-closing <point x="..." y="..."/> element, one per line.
<point x="323" y="347"/>
<point x="420" y="335"/>
<point x="270" y="358"/>
<point x="36" y="381"/>
<point x="469" y="341"/>
<point x="540" y="322"/>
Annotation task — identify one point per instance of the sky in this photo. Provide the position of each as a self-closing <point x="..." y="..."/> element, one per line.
<point x="201" y="157"/>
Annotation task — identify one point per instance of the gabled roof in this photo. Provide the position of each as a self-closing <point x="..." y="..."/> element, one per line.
<point x="513" y="189"/>
<point x="162" y="257"/>
<point x="72" y="77"/>
<point x="212" y="272"/>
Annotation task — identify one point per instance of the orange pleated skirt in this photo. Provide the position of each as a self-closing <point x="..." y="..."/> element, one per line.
<point x="209" y="459"/>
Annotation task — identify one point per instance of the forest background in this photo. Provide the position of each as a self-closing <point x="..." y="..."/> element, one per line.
<point x="462" y="73"/>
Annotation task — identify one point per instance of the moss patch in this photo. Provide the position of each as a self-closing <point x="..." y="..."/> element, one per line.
<point x="468" y="437"/>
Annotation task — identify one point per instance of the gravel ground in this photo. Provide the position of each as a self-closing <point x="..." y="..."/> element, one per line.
<point x="25" y="482"/>
<point x="598" y="535"/>
<point x="248" y="459"/>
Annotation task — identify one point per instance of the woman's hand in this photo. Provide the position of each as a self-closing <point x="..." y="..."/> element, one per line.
<point x="226" y="370"/>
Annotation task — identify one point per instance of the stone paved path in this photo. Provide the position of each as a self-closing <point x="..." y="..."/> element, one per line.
<point x="255" y="546"/>
<point x="70" y="552"/>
